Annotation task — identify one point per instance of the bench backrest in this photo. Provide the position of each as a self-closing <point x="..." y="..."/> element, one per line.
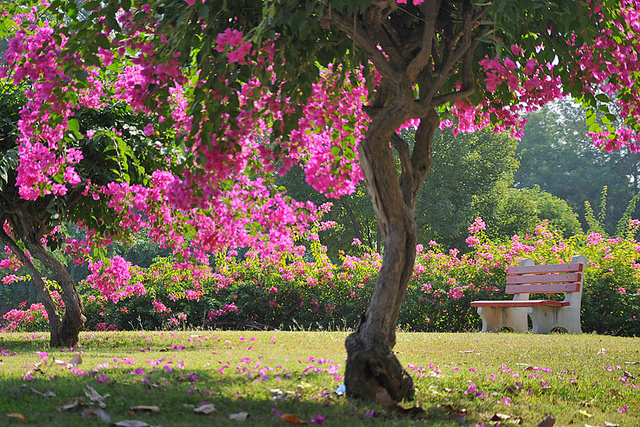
<point x="552" y="278"/>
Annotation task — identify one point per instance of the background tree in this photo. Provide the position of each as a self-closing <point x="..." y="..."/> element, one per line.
<point x="220" y="73"/>
<point x="467" y="169"/>
<point x="556" y="155"/>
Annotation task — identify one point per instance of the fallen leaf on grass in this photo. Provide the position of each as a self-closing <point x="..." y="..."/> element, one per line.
<point x="585" y="413"/>
<point x="144" y="408"/>
<point x="501" y="417"/>
<point x="92" y="394"/>
<point x="549" y="421"/>
<point x="205" y="409"/>
<point x="132" y="423"/>
<point x="509" y="419"/>
<point x="587" y="403"/>
<point x="240" y="416"/>
<point x="96" y="412"/>
<point x="75" y="360"/>
<point x="616" y="393"/>
<point x="74" y="402"/>
<point x="17" y="416"/>
<point x="281" y="396"/>
<point x="513" y="389"/>
<point x="291" y="419"/>
<point x="47" y="393"/>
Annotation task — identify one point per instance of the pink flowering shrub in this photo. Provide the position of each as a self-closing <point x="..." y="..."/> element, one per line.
<point x="308" y="290"/>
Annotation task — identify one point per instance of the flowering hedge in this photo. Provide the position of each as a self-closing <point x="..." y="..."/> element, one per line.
<point x="307" y="290"/>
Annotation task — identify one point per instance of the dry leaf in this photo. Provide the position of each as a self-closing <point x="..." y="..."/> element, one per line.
<point x="145" y="408"/>
<point x="17" y="416"/>
<point x="585" y="413"/>
<point x="240" y="416"/>
<point x="92" y="394"/>
<point x="513" y="389"/>
<point x="75" y="360"/>
<point x="616" y="393"/>
<point x="608" y="424"/>
<point x="205" y="409"/>
<point x="549" y="421"/>
<point x="96" y="412"/>
<point x="500" y="417"/>
<point x="291" y="419"/>
<point x="132" y="423"/>
<point x="47" y="393"/>
<point x="74" y="402"/>
<point x="384" y="399"/>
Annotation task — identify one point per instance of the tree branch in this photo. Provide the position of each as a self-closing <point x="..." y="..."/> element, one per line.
<point x="450" y="97"/>
<point x="464" y="48"/>
<point x="422" y="59"/>
<point x="364" y="41"/>
<point x="402" y="148"/>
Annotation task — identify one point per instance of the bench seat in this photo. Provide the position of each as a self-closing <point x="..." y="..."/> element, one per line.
<point x="527" y="303"/>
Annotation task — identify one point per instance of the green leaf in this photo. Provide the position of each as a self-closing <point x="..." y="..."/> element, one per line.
<point x="103" y="41"/>
<point x="74" y="126"/>
<point x="91" y="5"/>
<point x="72" y="11"/>
<point x="595" y="127"/>
<point x="349" y="154"/>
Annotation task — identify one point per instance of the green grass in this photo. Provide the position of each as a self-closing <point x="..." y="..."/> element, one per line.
<point x="581" y="380"/>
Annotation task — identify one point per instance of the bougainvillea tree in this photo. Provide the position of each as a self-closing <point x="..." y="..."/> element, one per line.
<point x="251" y="87"/>
<point x="33" y="229"/>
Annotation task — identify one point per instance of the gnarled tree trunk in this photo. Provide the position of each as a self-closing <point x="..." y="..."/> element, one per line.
<point x="36" y="277"/>
<point x="65" y="331"/>
<point x="68" y="329"/>
<point x="371" y="364"/>
<point x="424" y="55"/>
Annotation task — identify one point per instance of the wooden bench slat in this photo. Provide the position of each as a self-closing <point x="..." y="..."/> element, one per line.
<point x="525" y="303"/>
<point x="548" y="278"/>
<point x="551" y="268"/>
<point x="543" y="289"/>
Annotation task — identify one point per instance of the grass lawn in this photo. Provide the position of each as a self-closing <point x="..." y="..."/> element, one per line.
<point x="462" y="379"/>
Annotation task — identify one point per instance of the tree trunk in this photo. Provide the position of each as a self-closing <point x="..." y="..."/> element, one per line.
<point x="352" y="217"/>
<point x="64" y="333"/>
<point x="36" y="277"/>
<point x="371" y="365"/>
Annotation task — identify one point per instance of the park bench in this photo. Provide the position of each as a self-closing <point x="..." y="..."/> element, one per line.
<point x="546" y="315"/>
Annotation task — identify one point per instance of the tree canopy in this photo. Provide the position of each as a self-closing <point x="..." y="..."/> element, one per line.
<point x="246" y="88"/>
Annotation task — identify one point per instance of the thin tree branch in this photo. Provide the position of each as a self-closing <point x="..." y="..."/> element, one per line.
<point x="365" y="41"/>
<point x="471" y="23"/>
<point x="450" y="97"/>
<point x="423" y="58"/>
<point x="402" y="148"/>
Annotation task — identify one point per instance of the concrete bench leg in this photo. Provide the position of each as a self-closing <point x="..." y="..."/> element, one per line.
<point x="497" y="318"/>
<point x="546" y="319"/>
